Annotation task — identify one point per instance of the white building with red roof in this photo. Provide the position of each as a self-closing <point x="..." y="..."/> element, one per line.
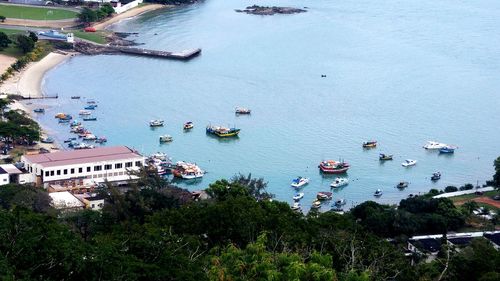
<point x="83" y="168"/>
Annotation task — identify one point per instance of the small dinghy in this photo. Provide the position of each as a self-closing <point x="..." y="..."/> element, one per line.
<point x="339" y="182"/>
<point x="436" y="176"/>
<point x="166" y="138"/>
<point x="156" y="123"/>
<point x="402" y="184"/>
<point x="298" y="196"/>
<point x="378" y="193"/>
<point x="385" y="157"/>
<point x="409" y="162"/>
<point x="323" y="195"/>
<point x="299" y="181"/>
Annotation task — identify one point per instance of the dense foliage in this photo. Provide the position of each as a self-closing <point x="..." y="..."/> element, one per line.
<point x="16" y="127"/>
<point x="156" y="231"/>
<point x="88" y="15"/>
<point x="4" y="40"/>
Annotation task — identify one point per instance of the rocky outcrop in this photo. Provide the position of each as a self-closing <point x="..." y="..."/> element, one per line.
<point x="268" y="11"/>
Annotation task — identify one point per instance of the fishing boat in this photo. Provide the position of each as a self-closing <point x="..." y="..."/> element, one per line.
<point x="90" y="107"/>
<point x="378" y="193"/>
<point x="339" y="182"/>
<point x="402" y="184"/>
<point x="166" y="138"/>
<point x="432" y="145"/>
<point x="47" y="140"/>
<point x="156" y="123"/>
<point x="222" y="132"/>
<point x="296" y="206"/>
<point x="316" y="204"/>
<point x="436" y="176"/>
<point x="60" y="115"/>
<point x="333" y="167"/>
<point x="300" y="181"/>
<point x="90" y="118"/>
<point x="101" y="140"/>
<point x="91" y="102"/>
<point x="242" y="110"/>
<point x="39" y="110"/>
<point x="187" y="171"/>
<point x="75" y="97"/>
<point x="370" y="144"/>
<point x="66" y="117"/>
<point x="83" y="146"/>
<point x="298" y="196"/>
<point x="409" y="162"/>
<point x="69" y="140"/>
<point x="84" y="112"/>
<point x="188" y="125"/>
<point x="340" y="202"/>
<point x="63" y="121"/>
<point x="385" y="157"/>
<point x="447" y="150"/>
<point x="159" y="155"/>
<point x="323" y="195"/>
<point x="89" y="137"/>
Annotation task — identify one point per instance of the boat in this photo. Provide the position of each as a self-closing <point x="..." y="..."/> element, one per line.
<point x="160" y="156"/>
<point x="337" y="209"/>
<point x="385" y="157"/>
<point x="90" y="107"/>
<point x="187" y="171"/>
<point x="298" y="196"/>
<point x="91" y="102"/>
<point x="242" y="110"/>
<point x="409" y="162"/>
<point x="340" y="202"/>
<point x="82" y="146"/>
<point x="66" y="117"/>
<point x="101" y="140"/>
<point x="436" y="176"/>
<point x="47" y="140"/>
<point x="166" y="138"/>
<point x="432" y="145"/>
<point x="84" y="112"/>
<point x="89" y="137"/>
<point x="89" y="118"/>
<point x="63" y="121"/>
<point x="75" y="97"/>
<point x="156" y="123"/>
<point x="339" y="182"/>
<point x="69" y="140"/>
<point x="370" y="144"/>
<point x="333" y="167"/>
<point x="188" y="125"/>
<point x="296" y="206"/>
<point x="222" y="132"/>
<point x="53" y="34"/>
<point x="60" y="115"/>
<point x="402" y="184"/>
<point x="323" y="195"/>
<point x="378" y="193"/>
<point x="39" y="110"/>
<point x="316" y="204"/>
<point x="300" y="181"/>
<point x="447" y="150"/>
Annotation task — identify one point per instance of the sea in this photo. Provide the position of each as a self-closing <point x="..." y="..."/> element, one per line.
<point x="319" y="84"/>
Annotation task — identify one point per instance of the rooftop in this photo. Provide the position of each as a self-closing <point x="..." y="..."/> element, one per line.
<point x="493" y="237"/>
<point x="9" y="169"/>
<point x="65" y="200"/>
<point x="63" y="158"/>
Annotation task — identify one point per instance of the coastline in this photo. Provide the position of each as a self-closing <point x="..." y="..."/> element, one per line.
<point x="129" y="14"/>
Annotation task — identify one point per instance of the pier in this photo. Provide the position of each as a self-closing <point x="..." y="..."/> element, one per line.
<point x="95" y="49"/>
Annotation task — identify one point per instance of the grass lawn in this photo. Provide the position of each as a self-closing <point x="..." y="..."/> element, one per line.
<point x="11" y="31"/>
<point x="35" y="13"/>
<point x="471" y="196"/>
<point x="97" y="37"/>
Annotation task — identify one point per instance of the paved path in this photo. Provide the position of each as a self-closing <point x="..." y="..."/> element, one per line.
<point x="458" y="193"/>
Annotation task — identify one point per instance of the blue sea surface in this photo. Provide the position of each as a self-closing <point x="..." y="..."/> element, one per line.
<point x="401" y="72"/>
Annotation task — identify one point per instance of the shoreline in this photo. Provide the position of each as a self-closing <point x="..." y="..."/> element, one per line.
<point x="129" y="14"/>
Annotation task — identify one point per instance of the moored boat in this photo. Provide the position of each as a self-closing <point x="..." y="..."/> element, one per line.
<point x="187" y="171"/>
<point x="222" y="132"/>
<point x="409" y="162"/>
<point x="431" y="145"/>
<point x="84" y="112"/>
<point x="339" y="182"/>
<point x="89" y="137"/>
<point x="156" y="123"/>
<point x="316" y="204"/>
<point x="90" y="107"/>
<point x="47" y="140"/>
<point x="39" y="110"/>
<point x="436" y="176"/>
<point x="402" y="184"/>
<point x="370" y="144"/>
<point x="340" y="202"/>
<point x="90" y="118"/>
<point x="75" y="97"/>
<point x="188" y="125"/>
<point x="242" y="110"/>
<point x="299" y="181"/>
<point x="378" y="193"/>
<point x="385" y="157"/>
<point x="298" y="196"/>
<point x="333" y="167"/>
<point x="323" y="195"/>
<point x="101" y="140"/>
<point x="296" y="206"/>
<point x="447" y="150"/>
<point x="166" y="138"/>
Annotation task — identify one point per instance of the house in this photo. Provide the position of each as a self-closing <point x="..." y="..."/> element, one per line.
<point x="93" y="201"/>
<point x="11" y="174"/>
<point x="69" y="170"/>
<point x="66" y="202"/>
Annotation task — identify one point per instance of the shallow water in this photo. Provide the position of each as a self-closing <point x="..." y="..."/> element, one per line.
<point x="400" y="72"/>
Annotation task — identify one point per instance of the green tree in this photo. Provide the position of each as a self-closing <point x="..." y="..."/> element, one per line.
<point x="4" y="41"/>
<point x="33" y="36"/>
<point x="87" y="15"/>
<point x="470" y="206"/>
<point x="2" y="18"/>
<point x="496" y="176"/>
<point x="25" y="43"/>
<point x="108" y="9"/>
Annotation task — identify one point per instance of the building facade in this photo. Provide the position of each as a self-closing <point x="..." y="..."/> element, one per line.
<point x="83" y="168"/>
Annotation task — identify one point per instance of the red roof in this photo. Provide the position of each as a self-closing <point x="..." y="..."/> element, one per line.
<point x="83" y="156"/>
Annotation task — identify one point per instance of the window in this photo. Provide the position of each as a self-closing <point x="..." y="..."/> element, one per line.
<point x="51" y="173"/>
<point x="72" y="170"/>
<point x="108" y="167"/>
<point x="118" y="165"/>
<point x="80" y="170"/>
<point x="93" y="206"/>
<point x="138" y="163"/>
<point x="4" y="179"/>
<point x="65" y="171"/>
<point x="88" y="169"/>
<point x="128" y="164"/>
<point x="58" y="172"/>
<point x="46" y="173"/>
<point x="98" y="168"/>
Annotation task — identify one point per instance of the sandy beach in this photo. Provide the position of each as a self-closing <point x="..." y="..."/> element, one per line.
<point x="129" y="14"/>
<point x="5" y="62"/>
<point x="28" y="82"/>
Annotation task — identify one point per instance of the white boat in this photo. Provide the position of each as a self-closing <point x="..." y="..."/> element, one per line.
<point x="298" y="196"/>
<point x="84" y="112"/>
<point x="83" y="146"/>
<point x="89" y="137"/>
<point x="300" y="181"/>
<point x="434" y="145"/>
<point x="316" y="204"/>
<point x="242" y="110"/>
<point x="338" y="182"/>
<point x="378" y="193"/>
<point x="340" y="202"/>
<point x="156" y="123"/>
<point x="187" y="171"/>
<point x="296" y="206"/>
<point x="166" y="138"/>
<point x="160" y="156"/>
<point x="409" y="162"/>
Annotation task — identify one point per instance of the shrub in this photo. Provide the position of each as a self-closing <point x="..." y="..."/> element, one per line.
<point x="450" y="188"/>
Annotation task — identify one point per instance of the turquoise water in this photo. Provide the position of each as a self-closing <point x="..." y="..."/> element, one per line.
<point x="400" y="72"/>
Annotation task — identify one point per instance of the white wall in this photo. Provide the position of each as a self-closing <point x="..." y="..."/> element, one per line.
<point x="4" y="179"/>
<point x="128" y="6"/>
